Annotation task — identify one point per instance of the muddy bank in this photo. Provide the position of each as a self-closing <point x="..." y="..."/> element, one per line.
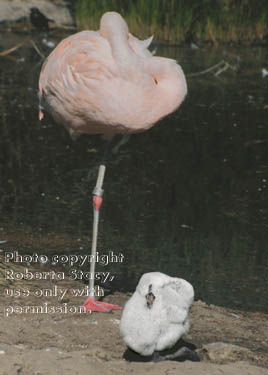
<point x="229" y="341"/>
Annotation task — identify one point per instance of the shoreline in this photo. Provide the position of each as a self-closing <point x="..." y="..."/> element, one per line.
<point x="229" y="341"/>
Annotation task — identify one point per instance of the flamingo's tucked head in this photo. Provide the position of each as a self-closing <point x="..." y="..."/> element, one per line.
<point x="111" y="24"/>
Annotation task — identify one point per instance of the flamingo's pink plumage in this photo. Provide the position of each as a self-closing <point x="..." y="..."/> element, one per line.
<point x="108" y="82"/>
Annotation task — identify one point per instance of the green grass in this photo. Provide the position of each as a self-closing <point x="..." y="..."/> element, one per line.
<point x="174" y="21"/>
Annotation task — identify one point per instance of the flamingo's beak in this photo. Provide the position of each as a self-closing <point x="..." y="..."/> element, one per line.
<point x="41" y="115"/>
<point x="41" y="96"/>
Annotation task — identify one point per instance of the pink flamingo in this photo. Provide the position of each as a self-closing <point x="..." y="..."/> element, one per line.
<point x="107" y="82"/>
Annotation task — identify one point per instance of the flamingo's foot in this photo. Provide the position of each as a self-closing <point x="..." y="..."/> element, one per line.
<point x="91" y="304"/>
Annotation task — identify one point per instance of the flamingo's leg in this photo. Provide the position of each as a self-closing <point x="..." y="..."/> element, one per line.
<point x="91" y="304"/>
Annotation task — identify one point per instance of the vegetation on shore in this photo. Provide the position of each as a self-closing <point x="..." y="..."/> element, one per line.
<point x="177" y="21"/>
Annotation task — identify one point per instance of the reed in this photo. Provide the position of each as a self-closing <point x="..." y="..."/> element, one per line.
<point x="176" y="21"/>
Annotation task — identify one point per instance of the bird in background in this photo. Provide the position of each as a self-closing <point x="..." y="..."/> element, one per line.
<point x="108" y="82"/>
<point x="156" y="317"/>
<point x="39" y="20"/>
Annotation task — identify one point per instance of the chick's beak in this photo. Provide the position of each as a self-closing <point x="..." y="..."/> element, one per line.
<point x="150" y="297"/>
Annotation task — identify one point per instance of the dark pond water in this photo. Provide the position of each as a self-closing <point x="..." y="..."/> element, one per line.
<point x="188" y="198"/>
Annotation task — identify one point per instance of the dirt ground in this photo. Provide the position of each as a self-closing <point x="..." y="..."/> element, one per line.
<point x="76" y="343"/>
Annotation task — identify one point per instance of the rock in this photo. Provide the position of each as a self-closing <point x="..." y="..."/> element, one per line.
<point x="14" y="10"/>
<point x="220" y="352"/>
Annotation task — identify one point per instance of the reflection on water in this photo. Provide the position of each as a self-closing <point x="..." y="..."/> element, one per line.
<point x="188" y="197"/>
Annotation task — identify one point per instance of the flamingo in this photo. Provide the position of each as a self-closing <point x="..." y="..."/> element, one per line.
<point x="156" y="316"/>
<point x="107" y="82"/>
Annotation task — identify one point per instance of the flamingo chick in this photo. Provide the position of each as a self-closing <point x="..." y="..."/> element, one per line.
<point x="107" y="82"/>
<point x="156" y="316"/>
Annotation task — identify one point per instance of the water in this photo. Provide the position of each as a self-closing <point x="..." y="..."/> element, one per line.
<point x="188" y="198"/>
